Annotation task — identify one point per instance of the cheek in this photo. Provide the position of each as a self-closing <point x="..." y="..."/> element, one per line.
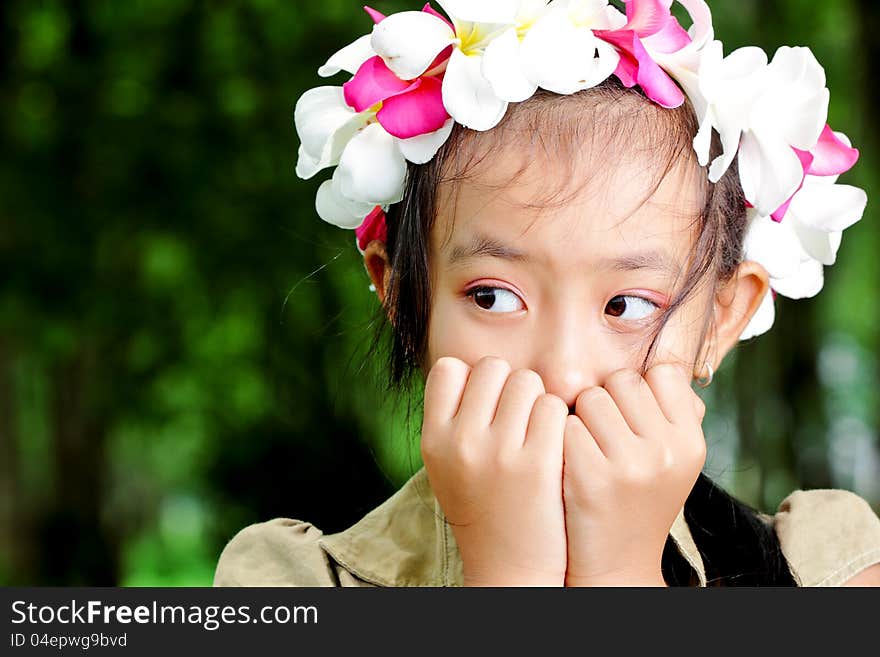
<point x="453" y="333"/>
<point x="681" y="338"/>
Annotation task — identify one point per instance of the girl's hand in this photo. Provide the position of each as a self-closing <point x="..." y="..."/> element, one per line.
<point x="492" y="445"/>
<point x="633" y="452"/>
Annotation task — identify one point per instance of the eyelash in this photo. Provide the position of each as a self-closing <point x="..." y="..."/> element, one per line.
<point x="473" y="292"/>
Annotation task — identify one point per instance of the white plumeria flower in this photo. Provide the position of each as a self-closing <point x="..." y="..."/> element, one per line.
<point x="325" y="124"/>
<point x="795" y="251"/>
<point x="350" y="58"/>
<point x="820" y="212"/>
<point x="502" y="62"/>
<point x="371" y="164"/>
<point x="561" y="54"/>
<point x="765" y="111"/>
<point x="763" y="319"/>
<point x="727" y="86"/>
<point x="410" y="43"/>
<point x="778" y="248"/>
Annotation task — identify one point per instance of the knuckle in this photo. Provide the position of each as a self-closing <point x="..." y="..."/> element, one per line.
<point x="467" y="457"/>
<point x="505" y="461"/>
<point x="431" y="448"/>
<point x="699" y="452"/>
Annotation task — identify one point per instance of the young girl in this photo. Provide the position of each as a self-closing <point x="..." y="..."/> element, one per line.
<point x="572" y="213"/>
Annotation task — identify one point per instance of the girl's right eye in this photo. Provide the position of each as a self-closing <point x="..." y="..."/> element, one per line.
<point x="496" y="299"/>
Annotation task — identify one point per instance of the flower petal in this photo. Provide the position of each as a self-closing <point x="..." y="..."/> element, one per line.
<point x="422" y="149"/>
<point x="502" y="67"/>
<point x="703" y="143"/>
<point x="795" y="103"/>
<point x="833" y="155"/>
<point x="336" y="209"/>
<point x="349" y="59"/>
<point x="656" y="84"/>
<point x="671" y="39"/>
<point x="647" y="17"/>
<point x="324" y="124"/>
<point x="805" y="283"/>
<point x="763" y="319"/>
<point x="430" y="10"/>
<point x="372" y="169"/>
<point x="306" y="166"/>
<point x="829" y="208"/>
<point x="374" y="83"/>
<point x="564" y="58"/>
<point x="682" y="63"/>
<point x="468" y="96"/>
<point x="774" y="246"/>
<point x="374" y="228"/>
<point x="730" y="134"/>
<point x="410" y="41"/>
<point x="417" y="112"/>
<point x="818" y="244"/>
<point x="770" y="171"/>
<point x="377" y="16"/>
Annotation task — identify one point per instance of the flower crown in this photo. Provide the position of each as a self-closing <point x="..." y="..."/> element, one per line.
<point x="420" y="72"/>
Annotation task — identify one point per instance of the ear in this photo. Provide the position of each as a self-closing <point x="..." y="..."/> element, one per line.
<point x="735" y="305"/>
<point x="378" y="267"/>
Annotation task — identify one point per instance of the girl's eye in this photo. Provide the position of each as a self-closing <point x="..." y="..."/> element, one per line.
<point x="631" y="308"/>
<point x="496" y="299"/>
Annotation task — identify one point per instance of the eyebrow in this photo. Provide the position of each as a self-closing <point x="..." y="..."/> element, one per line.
<point x="482" y="246"/>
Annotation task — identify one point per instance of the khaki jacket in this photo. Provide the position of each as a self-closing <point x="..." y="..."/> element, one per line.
<point x="827" y="535"/>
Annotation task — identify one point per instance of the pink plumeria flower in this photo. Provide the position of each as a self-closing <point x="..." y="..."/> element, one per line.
<point x="803" y="237"/>
<point x="832" y="156"/>
<point x="650" y="25"/>
<point x="373" y="228"/>
<point x="683" y="63"/>
<point x="410" y="43"/>
<point x="368" y="129"/>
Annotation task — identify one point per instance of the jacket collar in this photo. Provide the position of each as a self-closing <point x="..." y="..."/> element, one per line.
<point x="406" y="541"/>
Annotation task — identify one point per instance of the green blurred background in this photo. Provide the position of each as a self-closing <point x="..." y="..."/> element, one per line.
<point x="182" y="340"/>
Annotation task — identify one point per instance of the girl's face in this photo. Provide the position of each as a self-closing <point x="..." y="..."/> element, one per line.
<point x="570" y="290"/>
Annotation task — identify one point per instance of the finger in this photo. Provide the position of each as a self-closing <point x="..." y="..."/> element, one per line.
<point x="547" y="426"/>
<point x="581" y="451"/>
<point x="522" y="389"/>
<point x="444" y="388"/>
<point x="636" y="402"/>
<point x="603" y="419"/>
<point x="482" y="392"/>
<point x="671" y="385"/>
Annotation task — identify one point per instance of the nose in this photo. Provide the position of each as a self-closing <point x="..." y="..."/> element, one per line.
<point x="567" y="362"/>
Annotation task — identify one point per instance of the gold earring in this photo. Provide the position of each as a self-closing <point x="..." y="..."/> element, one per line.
<point x="705" y="382"/>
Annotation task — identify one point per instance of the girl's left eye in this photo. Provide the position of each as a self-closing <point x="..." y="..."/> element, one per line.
<point x="631" y="308"/>
<point x="496" y="299"/>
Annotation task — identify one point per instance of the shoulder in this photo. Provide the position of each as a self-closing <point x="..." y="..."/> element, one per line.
<point x="827" y="535"/>
<point x="280" y="552"/>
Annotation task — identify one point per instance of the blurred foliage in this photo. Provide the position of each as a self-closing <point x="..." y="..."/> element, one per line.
<point x="182" y="341"/>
